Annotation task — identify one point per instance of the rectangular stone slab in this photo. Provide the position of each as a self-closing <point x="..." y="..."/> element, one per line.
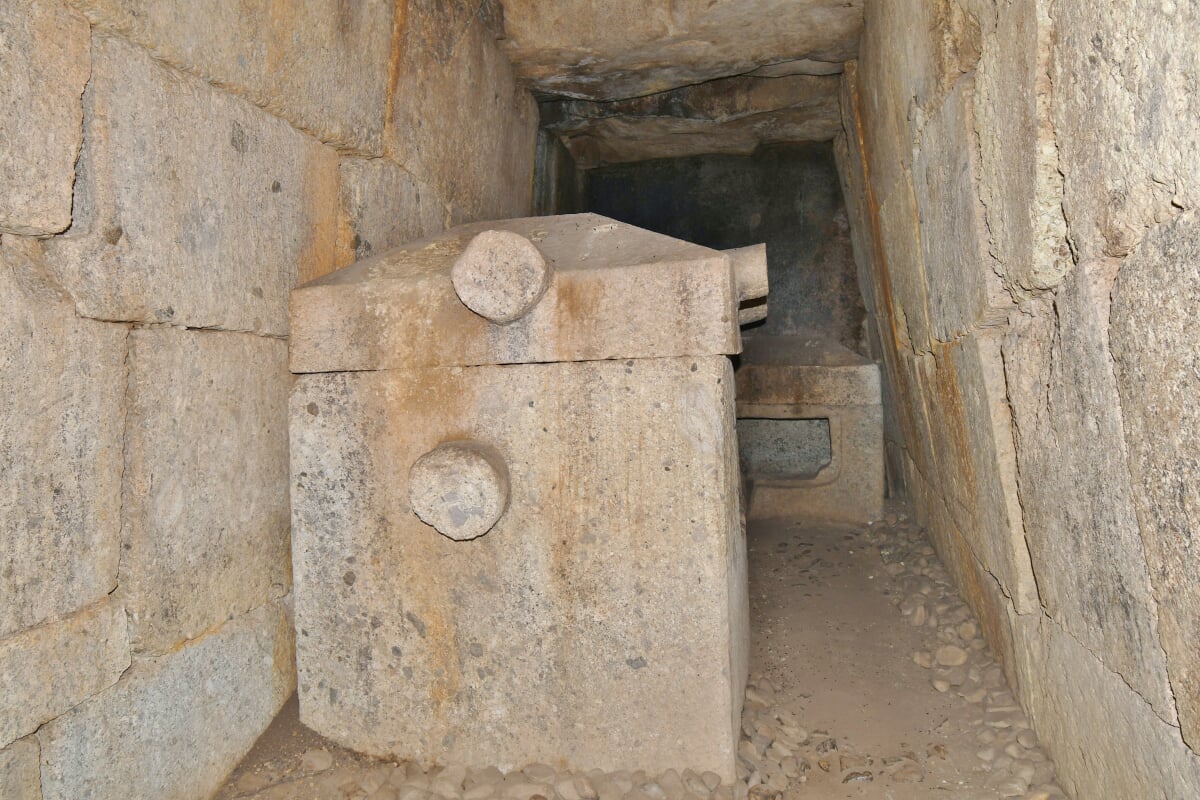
<point x="617" y="292"/>
<point x="602" y="622"/>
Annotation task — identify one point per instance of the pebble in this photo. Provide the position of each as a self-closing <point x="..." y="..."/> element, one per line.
<point x="923" y="659"/>
<point x="950" y="655"/>
<point x="316" y="761"/>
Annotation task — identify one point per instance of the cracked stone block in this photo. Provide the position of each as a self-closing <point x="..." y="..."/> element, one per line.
<point x="63" y="383"/>
<point x="382" y="206"/>
<point x="601" y="623"/>
<point x="193" y="207"/>
<point x="48" y="669"/>
<point x="206" y="481"/>
<point x="44" y="55"/>
<point x="323" y="65"/>
<point x="184" y="718"/>
<point x="20" y="772"/>
<point x="459" y="121"/>
<point x="1154" y="334"/>
<point x="1080" y="519"/>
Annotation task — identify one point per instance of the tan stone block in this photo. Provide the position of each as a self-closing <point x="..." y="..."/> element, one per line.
<point x="193" y="207"/>
<point x="600" y="623"/>
<point x="44" y="57"/>
<point x="382" y="206"/>
<point x="48" y="669"/>
<point x="963" y="287"/>
<point x="175" y="726"/>
<point x="459" y="122"/>
<point x="1124" y="117"/>
<point x="1106" y="741"/>
<point x="206" y="481"/>
<point x="1075" y="491"/>
<point x="1154" y="339"/>
<point x="20" y="772"/>
<point x="899" y="228"/>
<point x="805" y="370"/>
<point x="63" y="383"/>
<point x="323" y="65"/>
<point x="616" y="292"/>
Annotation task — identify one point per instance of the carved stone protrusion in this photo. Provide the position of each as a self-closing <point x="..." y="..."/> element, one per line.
<point x="750" y="280"/>
<point x="500" y="275"/>
<point x="460" y="489"/>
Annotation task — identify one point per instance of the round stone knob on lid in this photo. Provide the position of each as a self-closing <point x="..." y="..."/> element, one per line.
<point x="459" y="488"/>
<point x="500" y="275"/>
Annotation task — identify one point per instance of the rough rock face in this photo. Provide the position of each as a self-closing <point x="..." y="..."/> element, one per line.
<point x="604" y="50"/>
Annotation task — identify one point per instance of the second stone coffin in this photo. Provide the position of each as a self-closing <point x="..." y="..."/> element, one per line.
<point x="602" y="622"/>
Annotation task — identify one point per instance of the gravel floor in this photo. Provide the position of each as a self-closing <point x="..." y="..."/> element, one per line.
<point x="869" y="680"/>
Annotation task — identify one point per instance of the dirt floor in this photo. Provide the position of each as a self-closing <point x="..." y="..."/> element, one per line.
<point x="869" y="681"/>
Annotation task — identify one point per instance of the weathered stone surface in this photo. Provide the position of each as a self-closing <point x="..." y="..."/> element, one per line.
<point x="1124" y="112"/>
<point x="500" y="275"/>
<point x="48" y="669"/>
<point x="616" y="292"/>
<point x="382" y="206"/>
<point x="1104" y="739"/>
<point x="1075" y="486"/>
<point x="1020" y="183"/>
<point x="601" y="623"/>
<point x="20" y="773"/>
<point x="732" y="115"/>
<point x="63" y="382"/>
<point x="183" y="200"/>
<point x="459" y="122"/>
<point x="323" y="65"/>
<point x="173" y="726"/>
<point x="44" y="60"/>
<point x="1154" y="343"/>
<point x="899" y="226"/>
<point x="832" y="374"/>
<point x="964" y="289"/>
<point x="460" y="488"/>
<point x="206" y="481"/>
<point x="605" y="50"/>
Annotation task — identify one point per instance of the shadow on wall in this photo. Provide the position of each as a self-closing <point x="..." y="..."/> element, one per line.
<point x="788" y="196"/>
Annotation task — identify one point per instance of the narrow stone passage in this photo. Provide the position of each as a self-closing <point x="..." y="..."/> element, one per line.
<point x="870" y="680"/>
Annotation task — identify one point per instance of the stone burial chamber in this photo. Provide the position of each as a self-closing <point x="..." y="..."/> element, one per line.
<point x="517" y="533"/>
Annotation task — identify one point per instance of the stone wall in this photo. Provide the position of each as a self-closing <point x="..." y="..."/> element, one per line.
<point x="171" y="170"/>
<point x="1023" y="179"/>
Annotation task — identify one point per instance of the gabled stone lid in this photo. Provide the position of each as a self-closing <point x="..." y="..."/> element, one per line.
<point x="608" y="290"/>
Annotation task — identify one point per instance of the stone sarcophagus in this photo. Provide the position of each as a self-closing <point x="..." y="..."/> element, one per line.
<point x="516" y="524"/>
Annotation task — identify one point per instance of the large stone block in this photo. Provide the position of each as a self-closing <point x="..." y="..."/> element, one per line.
<point x="1075" y="490"/>
<point x="1156" y="342"/>
<point x="459" y="122"/>
<point x="48" y="669"/>
<point x="206" y="481"/>
<point x="1124" y="111"/>
<point x="44" y="55"/>
<point x="174" y="727"/>
<point x="601" y="623"/>
<point x="1020" y="183"/>
<point x="907" y="295"/>
<point x="193" y="207"/>
<point x="63" y="383"/>
<point x="382" y="206"/>
<point x="1105" y="740"/>
<point x="20" y="772"/>
<point x="963" y="287"/>
<point x="323" y="65"/>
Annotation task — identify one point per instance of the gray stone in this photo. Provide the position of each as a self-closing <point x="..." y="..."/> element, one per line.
<point x="184" y="718"/>
<point x="48" y="669"/>
<point x="63" y="383"/>
<point x="1124" y="113"/>
<point x="20" y="773"/>
<point x="500" y="275"/>
<point x="600" y="603"/>
<point x="382" y="206"/>
<point x="44" y="60"/>
<point x="1154" y="342"/>
<point x="459" y="121"/>
<point x="182" y="194"/>
<point x="1075" y="486"/>
<point x="628" y="48"/>
<point x="206" y="486"/>
<point x="459" y="488"/>
<point x="323" y="65"/>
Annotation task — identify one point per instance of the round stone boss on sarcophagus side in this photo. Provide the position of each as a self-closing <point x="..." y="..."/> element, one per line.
<point x="516" y="525"/>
